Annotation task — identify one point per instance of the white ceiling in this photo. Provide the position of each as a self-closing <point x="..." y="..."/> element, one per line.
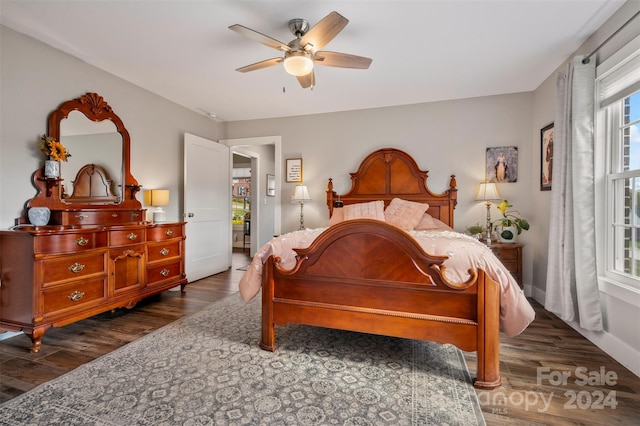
<point x="422" y="51"/>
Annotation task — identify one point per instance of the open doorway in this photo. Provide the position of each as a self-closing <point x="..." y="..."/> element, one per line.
<point x="241" y="194"/>
<point x="265" y="154"/>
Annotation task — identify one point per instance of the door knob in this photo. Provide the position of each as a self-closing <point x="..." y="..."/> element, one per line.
<point x="190" y="214"/>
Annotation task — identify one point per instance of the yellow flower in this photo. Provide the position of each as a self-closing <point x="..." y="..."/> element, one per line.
<point x="53" y="149"/>
<point x="503" y="206"/>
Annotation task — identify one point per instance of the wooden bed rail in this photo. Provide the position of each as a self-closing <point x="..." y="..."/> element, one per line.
<point x="368" y="276"/>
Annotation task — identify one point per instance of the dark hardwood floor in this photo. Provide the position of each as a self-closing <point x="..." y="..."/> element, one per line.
<point x="547" y="349"/>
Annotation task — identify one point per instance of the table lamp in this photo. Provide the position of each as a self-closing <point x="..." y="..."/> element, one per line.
<point x="158" y="198"/>
<point x="301" y="195"/>
<point x="487" y="193"/>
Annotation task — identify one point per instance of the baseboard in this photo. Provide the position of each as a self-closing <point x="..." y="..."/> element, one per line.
<point x="609" y="343"/>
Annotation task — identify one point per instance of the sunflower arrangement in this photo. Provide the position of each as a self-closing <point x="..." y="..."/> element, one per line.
<point x="53" y="149"/>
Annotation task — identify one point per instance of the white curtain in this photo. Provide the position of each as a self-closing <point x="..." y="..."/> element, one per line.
<point x="572" y="286"/>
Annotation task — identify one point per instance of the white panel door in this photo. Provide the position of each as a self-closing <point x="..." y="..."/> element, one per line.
<point x="207" y="207"/>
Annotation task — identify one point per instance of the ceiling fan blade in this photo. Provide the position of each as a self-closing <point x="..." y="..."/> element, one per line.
<point x="261" y="64"/>
<point x="323" y="32"/>
<point x="260" y="38"/>
<point x="342" y="60"/>
<point x="308" y="80"/>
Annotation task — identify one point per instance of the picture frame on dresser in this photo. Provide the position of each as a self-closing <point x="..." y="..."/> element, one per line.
<point x="546" y="157"/>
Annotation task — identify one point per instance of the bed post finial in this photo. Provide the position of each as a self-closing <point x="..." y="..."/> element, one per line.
<point x="452" y="183"/>
<point x="330" y="195"/>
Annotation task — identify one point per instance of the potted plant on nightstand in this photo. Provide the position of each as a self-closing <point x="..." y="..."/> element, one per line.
<point x="510" y="225"/>
<point x="476" y="231"/>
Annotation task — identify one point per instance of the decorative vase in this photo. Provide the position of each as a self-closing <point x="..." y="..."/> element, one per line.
<point x="507" y="234"/>
<point x="39" y="216"/>
<point x="51" y="169"/>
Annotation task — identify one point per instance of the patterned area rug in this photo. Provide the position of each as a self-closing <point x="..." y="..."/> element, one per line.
<point x="207" y="369"/>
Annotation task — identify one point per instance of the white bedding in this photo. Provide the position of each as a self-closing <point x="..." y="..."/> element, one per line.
<point x="463" y="251"/>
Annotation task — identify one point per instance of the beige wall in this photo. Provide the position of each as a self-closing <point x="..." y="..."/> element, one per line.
<point x="35" y="79"/>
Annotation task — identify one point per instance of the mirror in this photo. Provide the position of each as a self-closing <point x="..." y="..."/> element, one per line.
<point x="90" y="142"/>
<point x="94" y="135"/>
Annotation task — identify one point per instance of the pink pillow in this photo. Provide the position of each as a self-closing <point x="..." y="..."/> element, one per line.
<point x="405" y="214"/>
<point x="429" y="222"/>
<point x="370" y="210"/>
<point x="337" y="216"/>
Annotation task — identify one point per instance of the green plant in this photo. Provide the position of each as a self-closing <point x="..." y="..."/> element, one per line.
<point x="475" y="229"/>
<point x="511" y="218"/>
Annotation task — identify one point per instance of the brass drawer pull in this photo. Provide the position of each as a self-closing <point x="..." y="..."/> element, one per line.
<point x="164" y="272"/>
<point x="82" y="241"/>
<point x="75" y="296"/>
<point x="76" y="267"/>
<point x="81" y="217"/>
<point x="168" y="232"/>
<point x="114" y="214"/>
<point x="164" y="251"/>
<point x="134" y="215"/>
<point x="132" y="236"/>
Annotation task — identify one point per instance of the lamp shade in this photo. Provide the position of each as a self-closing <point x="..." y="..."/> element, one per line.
<point x="298" y="63"/>
<point x="301" y="193"/>
<point x="487" y="192"/>
<point x="157" y="197"/>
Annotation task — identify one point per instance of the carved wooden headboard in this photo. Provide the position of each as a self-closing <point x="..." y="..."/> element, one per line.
<point x="91" y="186"/>
<point x="390" y="173"/>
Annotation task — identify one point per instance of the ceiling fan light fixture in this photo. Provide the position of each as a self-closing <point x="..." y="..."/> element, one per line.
<point x="298" y="63"/>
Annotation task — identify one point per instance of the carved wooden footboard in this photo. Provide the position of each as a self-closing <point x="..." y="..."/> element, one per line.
<point x="368" y="276"/>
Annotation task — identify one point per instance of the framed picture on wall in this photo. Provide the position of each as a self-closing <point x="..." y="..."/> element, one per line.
<point x="294" y="170"/>
<point x="271" y="186"/>
<point x="502" y="164"/>
<point x="546" y="157"/>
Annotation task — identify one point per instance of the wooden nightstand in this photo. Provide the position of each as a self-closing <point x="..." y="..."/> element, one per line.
<point x="510" y="254"/>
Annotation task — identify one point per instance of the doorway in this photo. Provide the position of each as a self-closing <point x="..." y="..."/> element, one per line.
<point x="241" y="201"/>
<point x="265" y="153"/>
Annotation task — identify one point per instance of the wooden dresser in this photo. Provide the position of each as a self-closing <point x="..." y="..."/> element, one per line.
<point x="97" y="252"/>
<point x="56" y="275"/>
<point x="510" y="254"/>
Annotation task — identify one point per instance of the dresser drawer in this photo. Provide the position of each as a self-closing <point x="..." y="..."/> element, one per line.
<point x="511" y="257"/>
<point x="73" y="295"/>
<point x="70" y="267"/>
<point x="506" y="255"/>
<point x="164" y="272"/>
<point x="126" y="236"/>
<point x="101" y="217"/>
<point x="164" y="232"/>
<point x="164" y="251"/>
<point x="72" y="242"/>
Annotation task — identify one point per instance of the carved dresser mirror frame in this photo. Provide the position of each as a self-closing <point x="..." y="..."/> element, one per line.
<point x="50" y="191"/>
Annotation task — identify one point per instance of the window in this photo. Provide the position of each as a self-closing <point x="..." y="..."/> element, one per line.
<point x="618" y="151"/>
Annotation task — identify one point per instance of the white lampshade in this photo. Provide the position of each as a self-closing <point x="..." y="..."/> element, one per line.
<point x="298" y="63"/>
<point x="301" y="193"/>
<point x="487" y="192"/>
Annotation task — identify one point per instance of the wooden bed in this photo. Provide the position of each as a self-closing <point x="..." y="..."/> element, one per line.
<point x="368" y="276"/>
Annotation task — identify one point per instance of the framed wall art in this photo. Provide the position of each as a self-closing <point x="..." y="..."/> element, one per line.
<point x="271" y="186"/>
<point x="546" y="157"/>
<point x="294" y="170"/>
<point x="502" y="164"/>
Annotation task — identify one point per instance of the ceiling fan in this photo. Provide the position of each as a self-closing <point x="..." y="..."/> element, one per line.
<point x="303" y="52"/>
